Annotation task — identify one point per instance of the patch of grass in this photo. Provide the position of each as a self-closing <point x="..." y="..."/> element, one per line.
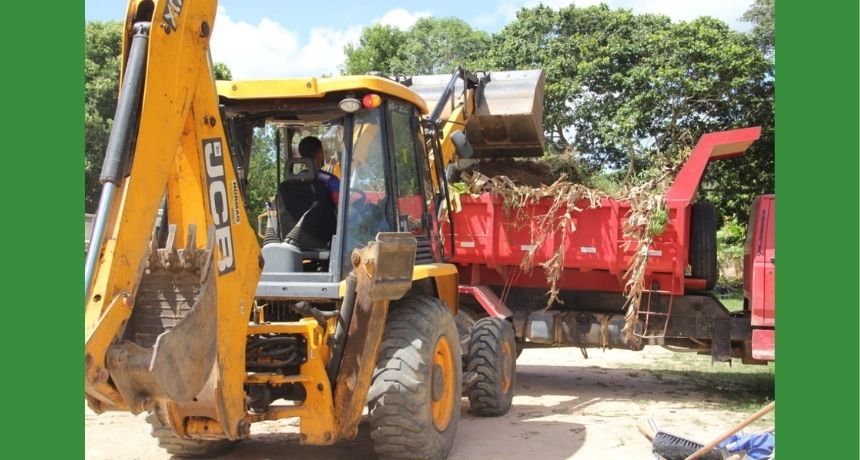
<point x="731" y="295"/>
<point x="734" y="386"/>
<point x="733" y="302"/>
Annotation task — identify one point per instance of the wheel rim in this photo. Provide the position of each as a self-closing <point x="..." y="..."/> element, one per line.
<point x="507" y="366"/>
<point x="442" y="384"/>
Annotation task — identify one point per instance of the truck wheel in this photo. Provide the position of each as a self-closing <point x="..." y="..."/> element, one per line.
<point x="186" y="448"/>
<point x="493" y="358"/>
<point x="703" y="243"/>
<point x="465" y="321"/>
<point x="414" y="397"/>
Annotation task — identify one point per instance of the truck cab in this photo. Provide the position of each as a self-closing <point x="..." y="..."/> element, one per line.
<point x="759" y="276"/>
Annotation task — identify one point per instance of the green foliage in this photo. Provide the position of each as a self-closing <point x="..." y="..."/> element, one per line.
<point x="376" y="51"/>
<point x="221" y="71"/>
<point x="101" y="77"/>
<point x="430" y="46"/>
<point x="262" y="183"/>
<point x="761" y="14"/>
<point x="103" y="42"/>
<point x="435" y="46"/>
<point x="730" y="251"/>
<point x="624" y="90"/>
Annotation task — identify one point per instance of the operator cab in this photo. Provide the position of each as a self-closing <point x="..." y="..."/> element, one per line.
<point x="373" y="147"/>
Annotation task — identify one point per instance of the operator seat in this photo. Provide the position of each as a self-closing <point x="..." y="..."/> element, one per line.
<point x="306" y="211"/>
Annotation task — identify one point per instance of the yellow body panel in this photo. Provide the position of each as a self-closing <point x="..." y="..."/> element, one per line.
<point x="316" y="412"/>
<point x="317" y="87"/>
<point x="445" y="276"/>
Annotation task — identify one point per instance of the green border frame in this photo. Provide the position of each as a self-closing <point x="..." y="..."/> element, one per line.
<point x="43" y="98"/>
<point x="817" y="232"/>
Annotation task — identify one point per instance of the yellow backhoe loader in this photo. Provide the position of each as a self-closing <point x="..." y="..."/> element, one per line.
<point x="197" y="324"/>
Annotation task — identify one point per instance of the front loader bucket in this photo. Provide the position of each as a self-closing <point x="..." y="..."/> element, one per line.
<point x="508" y="121"/>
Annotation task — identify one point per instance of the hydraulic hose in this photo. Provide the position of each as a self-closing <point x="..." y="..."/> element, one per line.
<point x="341" y="329"/>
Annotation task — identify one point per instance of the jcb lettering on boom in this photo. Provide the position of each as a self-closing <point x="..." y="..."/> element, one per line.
<point x="218" y="203"/>
<point x="172" y="9"/>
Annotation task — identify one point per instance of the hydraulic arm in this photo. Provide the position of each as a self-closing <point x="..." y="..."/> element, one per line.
<point x="169" y="323"/>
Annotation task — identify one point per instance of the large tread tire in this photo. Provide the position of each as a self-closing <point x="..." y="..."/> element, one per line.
<point x="703" y="243"/>
<point x="493" y="358"/>
<point x="186" y="448"/>
<point x="465" y="321"/>
<point x="401" y="396"/>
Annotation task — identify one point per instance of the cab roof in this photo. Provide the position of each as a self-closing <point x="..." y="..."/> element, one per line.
<point x="296" y="88"/>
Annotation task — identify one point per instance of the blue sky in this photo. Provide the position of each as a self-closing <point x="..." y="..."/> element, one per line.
<point x="271" y="38"/>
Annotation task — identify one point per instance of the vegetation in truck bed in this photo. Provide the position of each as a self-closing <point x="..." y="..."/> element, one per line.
<point x="522" y="182"/>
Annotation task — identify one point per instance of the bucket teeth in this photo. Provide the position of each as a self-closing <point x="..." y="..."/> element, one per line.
<point x="152" y="257"/>
<point x="188" y="255"/>
<point x="189" y="258"/>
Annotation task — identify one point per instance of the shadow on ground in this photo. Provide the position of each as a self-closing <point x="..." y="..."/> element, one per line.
<point x="548" y="399"/>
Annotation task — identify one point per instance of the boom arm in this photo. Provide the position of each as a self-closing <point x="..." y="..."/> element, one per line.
<point x="200" y="295"/>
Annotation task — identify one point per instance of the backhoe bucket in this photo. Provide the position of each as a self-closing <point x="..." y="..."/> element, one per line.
<point x="509" y="118"/>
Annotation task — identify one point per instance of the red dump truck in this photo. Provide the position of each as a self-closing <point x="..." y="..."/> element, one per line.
<point x="677" y="308"/>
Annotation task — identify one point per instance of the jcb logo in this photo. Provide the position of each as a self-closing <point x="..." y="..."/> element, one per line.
<point x="172" y="9"/>
<point x="218" y="203"/>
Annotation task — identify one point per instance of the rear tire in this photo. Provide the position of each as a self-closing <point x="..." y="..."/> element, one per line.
<point x="493" y="358"/>
<point x="703" y="243"/>
<point x="465" y="321"/>
<point x="414" y="397"/>
<point x="186" y="448"/>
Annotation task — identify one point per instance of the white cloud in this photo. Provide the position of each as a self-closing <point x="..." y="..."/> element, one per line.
<point x="269" y="50"/>
<point x="401" y="18"/>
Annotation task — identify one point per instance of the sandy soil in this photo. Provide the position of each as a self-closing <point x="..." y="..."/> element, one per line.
<point x="565" y="407"/>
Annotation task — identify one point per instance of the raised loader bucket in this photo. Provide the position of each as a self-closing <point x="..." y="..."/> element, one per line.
<point x="509" y="118"/>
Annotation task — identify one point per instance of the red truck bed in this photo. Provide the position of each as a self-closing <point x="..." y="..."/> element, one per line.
<point x="488" y="239"/>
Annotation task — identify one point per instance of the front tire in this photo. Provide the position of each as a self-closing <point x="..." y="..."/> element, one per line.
<point x="414" y="397"/>
<point x="492" y="356"/>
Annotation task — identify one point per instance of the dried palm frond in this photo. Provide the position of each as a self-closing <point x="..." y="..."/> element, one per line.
<point x="648" y="217"/>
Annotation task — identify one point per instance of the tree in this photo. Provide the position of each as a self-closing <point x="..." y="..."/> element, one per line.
<point x="436" y="46"/>
<point x="103" y="42"/>
<point x="430" y="46"/>
<point x="624" y="90"/>
<point x="376" y="50"/>
<point x="761" y="15"/>
<point x="101" y="83"/>
<point x="221" y="71"/>
<point x="262" y="182"/>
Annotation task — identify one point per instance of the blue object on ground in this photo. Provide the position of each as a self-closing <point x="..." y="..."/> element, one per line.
<point x="757" y="446"/>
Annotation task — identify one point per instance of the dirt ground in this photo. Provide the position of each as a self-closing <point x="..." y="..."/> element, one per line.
<point x="565" y="407"/>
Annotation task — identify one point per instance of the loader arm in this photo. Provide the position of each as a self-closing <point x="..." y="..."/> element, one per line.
<point x="166" y="326"/>
<point x="500" y="113"/>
